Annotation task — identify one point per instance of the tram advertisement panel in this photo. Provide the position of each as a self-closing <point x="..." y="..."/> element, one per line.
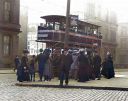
<point x="42" y="34"/>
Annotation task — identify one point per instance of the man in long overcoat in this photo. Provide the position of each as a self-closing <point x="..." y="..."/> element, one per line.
<point x="41" y="58"/>
<point x="66" y="61"/>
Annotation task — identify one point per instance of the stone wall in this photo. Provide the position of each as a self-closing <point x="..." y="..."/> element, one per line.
<point x="11" y="29"/>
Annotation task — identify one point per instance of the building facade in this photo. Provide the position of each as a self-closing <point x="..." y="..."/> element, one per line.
<point x="109" y="32"/>
<point x="122" y="49"/>
<point x="9" y="31"/>
<point x="96" y="13"/>
<point x="32" y="45"/>
<point x="24" y="29"/>
<point x="29" y="21"/>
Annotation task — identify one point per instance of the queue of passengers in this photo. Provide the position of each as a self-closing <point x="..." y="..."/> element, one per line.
<point x="82" y="66"/>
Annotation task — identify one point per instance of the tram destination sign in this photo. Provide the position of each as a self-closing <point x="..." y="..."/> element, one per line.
<point x="74" y="20"/>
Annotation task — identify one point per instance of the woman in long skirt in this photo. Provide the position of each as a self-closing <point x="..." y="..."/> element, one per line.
<point x="48" y="66"/>
<point x="108" y="68"/>
<point x="22" y="71"/>
<point x="83" y="72"/>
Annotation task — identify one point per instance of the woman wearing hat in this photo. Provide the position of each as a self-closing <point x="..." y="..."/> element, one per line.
<point x="22" y="71"/>
<point x="83" y="65"/>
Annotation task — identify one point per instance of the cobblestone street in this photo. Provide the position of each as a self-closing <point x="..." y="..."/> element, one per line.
<point x="10" y="92"/>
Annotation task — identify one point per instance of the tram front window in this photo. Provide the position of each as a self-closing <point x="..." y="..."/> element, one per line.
<point x="50" y="26"/>
<point x="57" y="26"/>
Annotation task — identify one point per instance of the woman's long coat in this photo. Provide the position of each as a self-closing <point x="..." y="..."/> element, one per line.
<point x="83" y="72"/>
<point x="41" y="58"/>
<point x="48" y="68"/>
<point x="108" y="68"/>
<point x="23" y="70"/>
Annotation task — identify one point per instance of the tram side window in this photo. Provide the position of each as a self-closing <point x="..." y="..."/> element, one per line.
<point x="88" y="31"/>
<point x="50" y="26"/>
<point x="57" y="26"/>
<point x="62" y="27"/>
<point x="95" y="31"/>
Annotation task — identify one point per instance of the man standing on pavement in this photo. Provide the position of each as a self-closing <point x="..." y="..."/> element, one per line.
<point x="66" y="61"/>
<point x="97" y="65"/>
<point x="41" y="58"/>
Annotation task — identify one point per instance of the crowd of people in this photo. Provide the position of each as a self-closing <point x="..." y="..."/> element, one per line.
<point x="81" y="66"/>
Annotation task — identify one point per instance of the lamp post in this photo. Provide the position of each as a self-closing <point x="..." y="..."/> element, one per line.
<point x="67" y="25"/>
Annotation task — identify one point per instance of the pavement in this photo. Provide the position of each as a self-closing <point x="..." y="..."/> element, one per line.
<point x="7" y="71"/>
<point x="10" y="92"/>
<point x="120" y="82"/>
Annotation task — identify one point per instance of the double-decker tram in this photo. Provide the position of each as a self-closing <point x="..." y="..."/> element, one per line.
<point x="81" y="34"/>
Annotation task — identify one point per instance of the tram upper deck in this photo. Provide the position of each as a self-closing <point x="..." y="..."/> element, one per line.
<point x="81" y="33"/>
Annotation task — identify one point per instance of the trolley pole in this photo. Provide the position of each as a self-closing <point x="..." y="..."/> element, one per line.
<point x="67" y="25"/>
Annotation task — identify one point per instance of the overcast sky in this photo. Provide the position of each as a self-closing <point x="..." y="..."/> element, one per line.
<point x="43" y="7"/>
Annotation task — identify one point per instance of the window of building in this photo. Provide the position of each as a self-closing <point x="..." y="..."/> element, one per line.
<point x="123" y="43"/>
<point x="123" y="59"/>
<point x="113" y="35"/>
<point x="7" y="11"/>
<point x="6" y="45"/>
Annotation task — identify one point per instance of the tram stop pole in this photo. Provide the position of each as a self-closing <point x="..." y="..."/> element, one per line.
<point x="66" y="39"/>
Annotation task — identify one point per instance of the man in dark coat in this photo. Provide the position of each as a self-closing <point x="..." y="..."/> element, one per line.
<point x="91" y="69"/>
<point x="56" y="63"/>
<point x="97" y="65"/>
<point x="66" y="61"/>
<point x="41" y="58"/>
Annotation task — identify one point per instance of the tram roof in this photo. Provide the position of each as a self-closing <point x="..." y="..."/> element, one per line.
<point x="54" y="18"/>
<point x="61" y="18"/>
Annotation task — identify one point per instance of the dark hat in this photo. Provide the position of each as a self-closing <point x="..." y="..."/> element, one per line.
<point x="41" y="50"/>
